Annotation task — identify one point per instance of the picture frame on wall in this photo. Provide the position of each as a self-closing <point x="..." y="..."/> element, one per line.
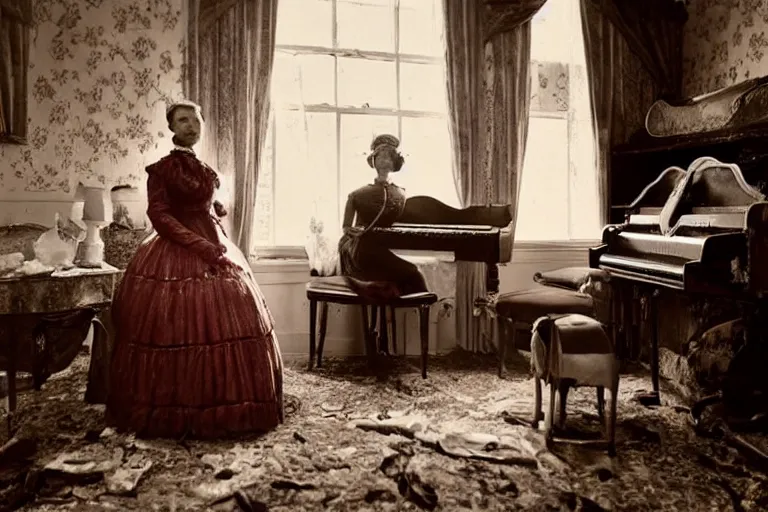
<point x="15" y="26"/>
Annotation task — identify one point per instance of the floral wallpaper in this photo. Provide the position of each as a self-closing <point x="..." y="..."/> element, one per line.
<point x="726" y="42"/>
<point x="101" y="73"/>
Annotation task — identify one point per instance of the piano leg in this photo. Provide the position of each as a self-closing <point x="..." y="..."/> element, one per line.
<point x="653" y="398"/>
<point x="636" y="317"/>
<point x="654" y="304"/>
<point x="383" y="331"/>
<point x="492" y="278"/>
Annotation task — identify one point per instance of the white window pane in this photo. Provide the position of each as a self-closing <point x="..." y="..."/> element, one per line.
<point x="427" y="171"/>
<point x="304" y="22"/>
<point x="585" y="208"/>
<point x="284" y="86"/>
<point x="357" y="133"/>
<point x="422" y="87"/>
<point x="317" y="79"/>
<point x="302" y="79"/>
<point x="369" y="83"/>
<point x="305" y="172"/>
<point x="263" y="216"/>
<point x="366" y="25"/>
<point x="556" y="31"/>
<point x="421" y="27"/>
<point x="544" y="13"/>
<point x="543" y="209"/>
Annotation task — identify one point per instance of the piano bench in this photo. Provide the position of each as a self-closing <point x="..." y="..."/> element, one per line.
<point x="523" y="307"/>
<point x="569" y="351"/>
<point x="334" y="290"/>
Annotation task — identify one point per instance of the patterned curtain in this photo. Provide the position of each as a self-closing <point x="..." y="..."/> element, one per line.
<point x="488" y="46"/>
<point x="229" y="64"/>
<point x="15" y="23"/>
<point x="621" y="91"/>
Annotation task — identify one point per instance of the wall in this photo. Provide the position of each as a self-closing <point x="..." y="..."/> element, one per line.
<point x="101" y="73"/>
<point x="725" y="43"/>
<point x="283" y="284"/>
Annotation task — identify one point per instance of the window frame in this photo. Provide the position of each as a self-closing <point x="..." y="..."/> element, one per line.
<point x="295" y="252"/>
<point x="566" y="115"/>
<point x="272" y="251"/>
<point x="569" y="116"/>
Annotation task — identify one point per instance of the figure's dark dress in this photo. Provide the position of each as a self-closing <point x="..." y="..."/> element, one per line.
<point x="195" y="351"/>
<point x="362" y="258"/>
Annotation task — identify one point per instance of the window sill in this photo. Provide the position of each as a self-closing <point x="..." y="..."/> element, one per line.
<point x="279" y="265"/>
<point x="553" y="245"/>
<point x="279" y="260"/>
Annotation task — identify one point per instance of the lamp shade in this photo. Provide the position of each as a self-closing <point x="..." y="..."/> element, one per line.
<point x="97" y="203"/>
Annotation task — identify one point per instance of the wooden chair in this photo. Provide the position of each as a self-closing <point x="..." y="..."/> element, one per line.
<point x="334" y="290"/>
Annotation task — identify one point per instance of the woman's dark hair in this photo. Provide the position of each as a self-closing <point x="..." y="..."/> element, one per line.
<point x="386" y="143"/>
<point x="397" y="159"/>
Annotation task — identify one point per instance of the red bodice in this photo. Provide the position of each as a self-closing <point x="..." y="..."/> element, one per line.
<point x="180" y="200"/>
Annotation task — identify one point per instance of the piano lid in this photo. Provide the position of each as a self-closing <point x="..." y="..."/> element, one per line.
<point x="425" y="210"/>
<point x="711" y="194"/>
<point x="645" y="209"/>
<point x="475" y="233"/>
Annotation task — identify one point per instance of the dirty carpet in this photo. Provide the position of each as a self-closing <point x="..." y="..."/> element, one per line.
<point x="358" y="442"/>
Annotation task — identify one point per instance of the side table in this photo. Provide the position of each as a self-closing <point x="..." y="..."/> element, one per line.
<point x="34" y="309"/>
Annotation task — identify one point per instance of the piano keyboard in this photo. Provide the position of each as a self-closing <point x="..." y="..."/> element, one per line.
<point x="685" y="247"/>
<point x="435" y="227"/>
<point x="643" y="269"/>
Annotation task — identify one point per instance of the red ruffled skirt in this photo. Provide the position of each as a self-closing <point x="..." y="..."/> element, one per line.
<point x="195" y="354"/>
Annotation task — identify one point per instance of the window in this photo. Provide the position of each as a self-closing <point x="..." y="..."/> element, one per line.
<point x="558" y="190"/>
<point x="344" y="72"/>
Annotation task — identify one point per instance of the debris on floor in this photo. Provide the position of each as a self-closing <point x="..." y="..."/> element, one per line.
<point x="353" y="441"/>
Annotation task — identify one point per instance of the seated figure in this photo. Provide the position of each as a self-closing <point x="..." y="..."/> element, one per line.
<point x="372" y="270"/>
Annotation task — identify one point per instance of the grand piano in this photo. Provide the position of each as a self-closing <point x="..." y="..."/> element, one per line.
<point x="476" y="233"/>
<point x="702" y="231"/>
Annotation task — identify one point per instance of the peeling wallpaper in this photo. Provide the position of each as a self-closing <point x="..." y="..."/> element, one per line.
<point x="726" y="42"/>
<point x="101" y="73"/>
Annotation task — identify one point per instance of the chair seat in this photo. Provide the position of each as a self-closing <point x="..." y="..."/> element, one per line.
<point x="335" y="289"/>
<point x="571" y="278"/>
<point x="581" y="335"/>
<point x="526" y="306"/>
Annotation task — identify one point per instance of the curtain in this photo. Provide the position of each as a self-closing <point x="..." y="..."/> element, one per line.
<point x="653" y="30"/>
<point x="15" y="22"/>
<point x="488" y="48"/>
<point x="230" y="54"/>
<point x="464" y="72"/>
<point x="621" y="87"/>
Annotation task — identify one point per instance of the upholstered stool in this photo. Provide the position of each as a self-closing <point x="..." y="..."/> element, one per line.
<point x="335" y="290"/>
<point x="570" y="351"/>
<point x="577" y="279"/>
<point x="522" y="308"/>
<point x="597" y="284"/>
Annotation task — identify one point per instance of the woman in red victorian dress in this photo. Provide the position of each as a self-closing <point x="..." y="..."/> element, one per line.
<point x="195" y="352"/>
